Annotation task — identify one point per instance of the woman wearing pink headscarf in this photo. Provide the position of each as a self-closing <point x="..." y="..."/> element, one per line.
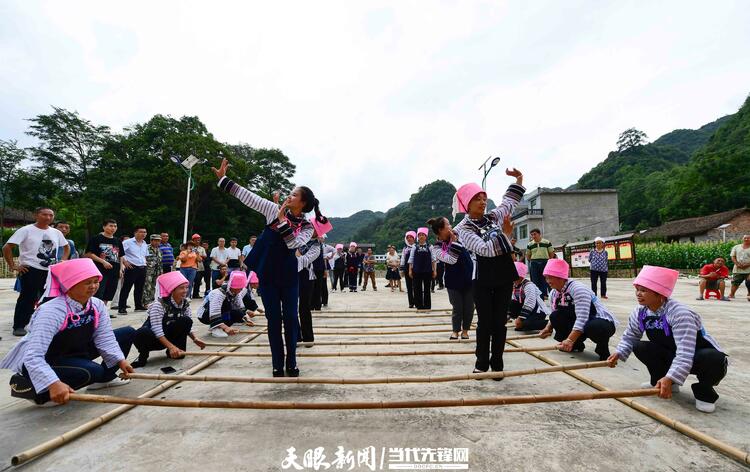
<point x="677" y="345"/>
<point x="169" y="321"/>
<point x="66" y="334"/>
<point x="487" y="236"/>
<point x="224" y="306"/>
<point x="409" y="238"/>
<point x="422" y="270"/>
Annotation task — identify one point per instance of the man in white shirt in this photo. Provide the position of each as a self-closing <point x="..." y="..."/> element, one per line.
<point x="218" y="257"/>
<point x="136" y="251"/>
<point x="37" y="245"/>
<point x="234" y="256"/>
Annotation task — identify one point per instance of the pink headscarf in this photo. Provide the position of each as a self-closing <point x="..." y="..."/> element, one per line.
<point x="659" y="279"/>
<point x="168" y="282"/>
<point x="352" y="244"/>
<point x="321" y="229"/>
<point x="340" y="246"/>
<point x="557" y="268"/>
<point x="410" y="233"/>
<point x="522" y="270"/>
<point x="63" y="276"/>
<point x="237" y="279"/>
<point x="463" y="196"/>
<point x="253" y="279"/>
<point x="423" y="230"/>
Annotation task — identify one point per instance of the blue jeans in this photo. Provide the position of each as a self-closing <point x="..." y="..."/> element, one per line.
<point x="281" y="307"/>
<point x="189" y="273"/>
<point x="536" y="271"/>
<point x="79" y="372"/>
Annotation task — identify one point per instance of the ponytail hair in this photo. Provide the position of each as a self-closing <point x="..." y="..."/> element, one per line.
<point x="312" y="204"/>
<point x="436" y="224"/>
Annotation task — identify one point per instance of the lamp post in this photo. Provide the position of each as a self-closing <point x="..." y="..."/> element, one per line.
<point x="187" y="167"/>
<point x="495" y="161"/>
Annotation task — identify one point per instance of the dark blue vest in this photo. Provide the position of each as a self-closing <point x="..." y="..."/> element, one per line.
<point x="458" y="275"/>
<point x="422" y="259"/>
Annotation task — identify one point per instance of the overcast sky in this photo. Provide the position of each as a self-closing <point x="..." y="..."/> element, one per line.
<point x="372" y="101"/>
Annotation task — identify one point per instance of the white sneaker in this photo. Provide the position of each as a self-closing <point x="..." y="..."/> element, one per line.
<point x="116" y="382"/>
<point x="675" y="387"/>
<point x="705" y="407"/>
<point x="219" y="333"/>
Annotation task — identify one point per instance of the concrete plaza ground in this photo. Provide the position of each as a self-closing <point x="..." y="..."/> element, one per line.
<point x="589" y="435"/>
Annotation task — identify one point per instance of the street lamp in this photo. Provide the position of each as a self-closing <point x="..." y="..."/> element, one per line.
<point x="495" y="161"/>
<point x="187" y="167"/>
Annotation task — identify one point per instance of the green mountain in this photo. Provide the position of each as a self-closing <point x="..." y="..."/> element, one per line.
<point x="653" y="179"/>
<point x="344" y="228"/>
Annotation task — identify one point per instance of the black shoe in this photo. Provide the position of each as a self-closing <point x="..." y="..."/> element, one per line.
<point x="603" y="351"/>
<point x="497" y="379"/>
<point x="19" y="332"/>
<point x="140" y="361"/>
<point x="21" y="387"/>
<point x="128" y="306"/>
<point x="411" y="306"/>
<point x="292" y="372"/>
<point x="578" y="348"/>
<point x="122" y="312"/>
<point x="278" y="373"/>
<point x="478" y="371"/>
<point x="139" y="308"/>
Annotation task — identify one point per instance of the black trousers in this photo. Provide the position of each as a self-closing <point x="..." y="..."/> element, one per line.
<point x="305" y="316"/>
<point x="352" y="279"/>
<point x="338" y="278"/>
<point x="132" y="277"/>
<point x="595" y="276"/>
<point x="491" y="304"/>
<point x="422" y="297"/>
<point x="199" y="277"/>
<point x="319" y="291"/>
<point x="32" y="288"/>
<point x="409" y="288"/>
<point x="597" y="329"/>
<point x="709" y="365"/>
<point x="176" y="332"/>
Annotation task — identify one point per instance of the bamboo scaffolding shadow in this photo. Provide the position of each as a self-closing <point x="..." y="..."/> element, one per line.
<point x="703" y="438"/>
<point x="366" y="354"/>
<point x="379" y="343"/>
<point x="253" y="405"/>
<point x="366" y="381"/>
<point x="88" y="426"/>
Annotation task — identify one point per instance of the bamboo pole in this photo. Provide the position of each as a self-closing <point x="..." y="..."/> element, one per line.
<point x="88" y="426"/>
<point x="448" y="326"/>
<point x="447" y="329"/>
<point x="432" y="310"/>
<point x="438" y="403"/>
<point x="703" y="438"/>
<point x="378" y="343"/>
<point x="324" y="314"/>
<point x="365" y="381"/>
<point x="364" y="354"/>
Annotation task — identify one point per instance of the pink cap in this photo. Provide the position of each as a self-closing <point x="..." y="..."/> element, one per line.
<point x="423" y="230"/>
<point x="253" y="279"/>
<point x="339" y="246"/>
<point x="409" y="233"/>
<point x="352" y="244"/>
<point x="659" y="279"/>
<point x="557" y="268"/>
<point x="195" y="236"/>
<point x="170" y="281"/>
<point x="463" y="196"/>
<point x="237" y="279"/>
<point x="321" y="229"/>
<point x="521" y="269"/>
<point x="63" y="276"/>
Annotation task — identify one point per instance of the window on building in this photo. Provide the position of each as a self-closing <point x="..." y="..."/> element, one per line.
<point x="523" y="232"/>
<point x="532" y="203"/>
<point x="515" y="232"/>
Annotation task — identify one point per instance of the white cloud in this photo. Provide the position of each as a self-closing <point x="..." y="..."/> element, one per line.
<point x="373" y="101"/>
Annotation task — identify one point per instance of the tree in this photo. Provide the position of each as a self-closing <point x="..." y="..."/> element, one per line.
<point x="629" y="138"/>
<point x="268" y="170"/>
<point x="70" y="147"/>
<point x="10" y="160"/>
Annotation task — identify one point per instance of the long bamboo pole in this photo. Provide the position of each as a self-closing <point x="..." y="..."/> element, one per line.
<point x="365" y="381"/>
<point x="379" y="343"/>
<point x="413" y="316"/>
<point x="703" y="438"/>
<point x="438" y="403"/>
<point x="373" y="325"/>
<point x="88" y="426"/>
<point x="447" y="329"/>
<point x="433" y="310"/>
<point x="364" y="354"/>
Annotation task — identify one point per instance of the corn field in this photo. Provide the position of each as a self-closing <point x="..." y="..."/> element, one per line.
<point x="683" y="255"/>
